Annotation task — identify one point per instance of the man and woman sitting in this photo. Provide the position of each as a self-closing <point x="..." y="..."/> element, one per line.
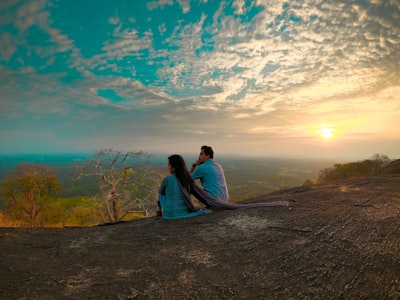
<point x="174" y="200"/>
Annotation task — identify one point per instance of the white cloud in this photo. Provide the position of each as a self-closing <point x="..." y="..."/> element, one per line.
<point x="7" y="47"/>
<point x="185" y="5"/>
<point x="152" y="5"/>
<point x="31" y="13"/>
<point x="212" y="77"/>
<point x="239" y="6"/>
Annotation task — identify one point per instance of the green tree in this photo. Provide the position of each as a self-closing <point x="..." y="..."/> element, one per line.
<point x="127" y="184"/>
<point x="27" y="190"/>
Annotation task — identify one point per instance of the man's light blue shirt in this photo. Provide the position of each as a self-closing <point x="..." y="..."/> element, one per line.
<point x="212" y="179"/>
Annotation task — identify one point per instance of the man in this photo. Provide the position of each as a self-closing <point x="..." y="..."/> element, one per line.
<point x="210" y="173"/>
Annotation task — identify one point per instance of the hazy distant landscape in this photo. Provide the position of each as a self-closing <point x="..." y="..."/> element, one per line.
<point x="246" y="176"/>
<point x="88" y="189"/>
<point x="299" y="101"/>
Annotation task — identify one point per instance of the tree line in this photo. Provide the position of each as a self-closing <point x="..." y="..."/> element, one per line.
<point x="126" y="188"/>
<point x="372" y="166"/>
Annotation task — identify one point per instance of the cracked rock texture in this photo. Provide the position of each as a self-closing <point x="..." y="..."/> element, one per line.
<point x="338" y="241"/>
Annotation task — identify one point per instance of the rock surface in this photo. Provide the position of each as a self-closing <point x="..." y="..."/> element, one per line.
<point x="339" y="241"/>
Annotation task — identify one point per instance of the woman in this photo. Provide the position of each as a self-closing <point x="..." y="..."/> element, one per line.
<point x="171" y="198"/>
<point x="174" y="197"/>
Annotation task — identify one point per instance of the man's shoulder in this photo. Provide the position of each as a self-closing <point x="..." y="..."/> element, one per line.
<point x="214" y="163"/>
<point x="208" y="163"/>
<point x="202" y="168"/>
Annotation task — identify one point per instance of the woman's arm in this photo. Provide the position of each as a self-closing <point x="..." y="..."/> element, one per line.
<point x="163" y="186"/>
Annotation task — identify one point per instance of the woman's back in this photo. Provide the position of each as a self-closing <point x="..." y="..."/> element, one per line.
<point x="172" y="201"/>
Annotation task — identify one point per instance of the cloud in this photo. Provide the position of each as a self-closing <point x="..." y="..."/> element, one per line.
<point x="237" y="70"/>
<point x="185" y="5"/>
<point x="152" y="5"/>
<point x="7" y="48"/>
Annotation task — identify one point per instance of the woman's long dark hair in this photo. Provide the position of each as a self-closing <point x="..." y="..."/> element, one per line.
<point x="181" y="171"/>
<point x="188" y="187"/>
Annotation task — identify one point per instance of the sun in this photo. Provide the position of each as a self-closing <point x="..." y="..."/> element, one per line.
<point x="326" y="131"/>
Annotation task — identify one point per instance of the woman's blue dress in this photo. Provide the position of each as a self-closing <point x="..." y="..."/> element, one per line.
<point x="172" y="202"/>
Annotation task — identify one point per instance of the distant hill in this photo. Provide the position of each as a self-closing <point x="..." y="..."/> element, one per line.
<point x="334" y="241"/>
<point x="8" y="162"/>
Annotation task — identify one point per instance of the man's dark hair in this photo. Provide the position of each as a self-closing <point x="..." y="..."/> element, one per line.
<point x="208" y="151"/>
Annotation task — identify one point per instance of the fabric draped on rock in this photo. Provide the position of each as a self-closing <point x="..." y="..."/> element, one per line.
<point x="211" y="201"/>
<point x="176" y="201"/>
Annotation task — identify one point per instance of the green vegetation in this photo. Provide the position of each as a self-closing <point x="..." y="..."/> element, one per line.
<point x="250" y="178"/>
<point x="59" y="199"/>
<point x="72" y="211"/>
<point x="372" y="166"/>
<point x="28" y="191"/>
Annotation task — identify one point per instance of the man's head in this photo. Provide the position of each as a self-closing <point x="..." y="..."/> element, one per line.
<point x="206" y="153"/>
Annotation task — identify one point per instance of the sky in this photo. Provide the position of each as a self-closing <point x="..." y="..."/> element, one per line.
<point x="310" y="78"/>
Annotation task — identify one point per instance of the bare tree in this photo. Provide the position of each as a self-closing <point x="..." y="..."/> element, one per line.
<point x="126" y="182"/>
<point x="378" y="162"/>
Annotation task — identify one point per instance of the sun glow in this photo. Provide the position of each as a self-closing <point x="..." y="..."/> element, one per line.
<point x="326" y="131"/>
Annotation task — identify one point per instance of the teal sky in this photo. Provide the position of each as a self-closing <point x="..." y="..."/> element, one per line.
<point x="267" y="77"/>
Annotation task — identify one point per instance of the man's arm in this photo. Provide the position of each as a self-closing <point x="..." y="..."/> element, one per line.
<point x="194" y="165"/>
